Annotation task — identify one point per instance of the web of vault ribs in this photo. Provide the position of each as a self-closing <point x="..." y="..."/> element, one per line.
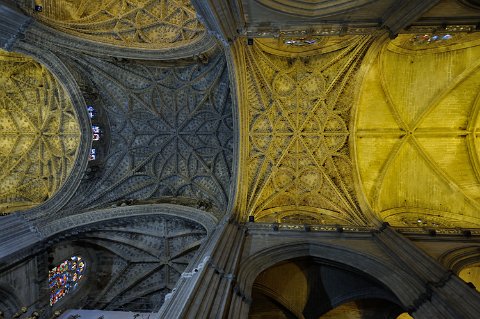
<point x="134" y="23"/>
<point x="299" y="166"/>
<point x="39" y="133"/>
<point x="171" y="133"/>
<point x="149" y="256"/>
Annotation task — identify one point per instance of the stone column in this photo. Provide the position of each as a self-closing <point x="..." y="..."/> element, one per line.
<point x="402" y="13"/>
<point x="210" y="293"/>
<point x="445" y="295"/>
<point x="221" y="18"/>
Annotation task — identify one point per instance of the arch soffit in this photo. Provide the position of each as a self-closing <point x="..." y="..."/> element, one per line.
<point x="7" y="293"/>
<point x="404" y="286"/>
<point x="67" y="81"/>
<point x="459" y="258"/>
<point x="365" y="67"/>
<point x="95" y="217"/>
<point x="40" y="33"/>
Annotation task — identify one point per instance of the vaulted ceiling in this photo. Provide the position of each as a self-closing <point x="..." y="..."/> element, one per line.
<point x="147" y="24"/>
<point x="305" y="129"/>
<point x="39" y="134"/>
<point x="416" y="132"/>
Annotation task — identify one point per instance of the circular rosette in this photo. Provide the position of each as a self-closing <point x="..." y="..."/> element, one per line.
<point x="310" y="178"/>
<point x="284" y="85"/>
<point x="335" y="133"/>
<point x="313" y="86"/>
<point x="283" y="177"/>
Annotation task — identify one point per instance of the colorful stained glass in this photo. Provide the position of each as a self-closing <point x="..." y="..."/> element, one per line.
<point x="96" y="132"/>
<point x="93" y="155"/>
<point x="91" y="111"/>
<point x="427" y="38"/>
<point x="64" y="278"/>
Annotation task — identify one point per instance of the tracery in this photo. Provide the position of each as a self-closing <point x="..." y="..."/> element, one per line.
<point x="64" y="278"/>
<point x="39" y="133"/>
<point x="298" y="166"/>
<point x="139" y="23"/>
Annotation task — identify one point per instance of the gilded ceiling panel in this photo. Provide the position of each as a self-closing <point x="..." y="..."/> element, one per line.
<point x="149" y="24"/>
<point x="170" y="135"/>
<point x="39" y="133"/>
<point x="298" y="168"/>
<point x="416" y="134"/>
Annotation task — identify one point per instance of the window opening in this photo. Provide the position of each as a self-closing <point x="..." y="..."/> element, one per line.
<point x="93" y="155"/>
<point x="96" y="132"/>
<point x="64" y="278"/>
<point x="91" y="111"/>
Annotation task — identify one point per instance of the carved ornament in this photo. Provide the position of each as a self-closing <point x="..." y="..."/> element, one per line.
<point x="298" y="168"/>
<point x="171" y="133"/>
<point x="148" y="24"/>
<point x="39" y="133"/>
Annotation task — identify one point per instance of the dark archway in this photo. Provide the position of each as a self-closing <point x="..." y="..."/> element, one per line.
<point x="402" y="286"/>
<point x="310" y="287"/>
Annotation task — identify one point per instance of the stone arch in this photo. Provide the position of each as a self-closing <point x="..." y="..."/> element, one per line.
<point x="129" y="249"/>
<point x="310" y="287"/>
<point x="67" y="85"/>
<point x="465" y="263"/>
<point x="83" y="34"/>
<point x="89" y="220"/>
<point x="9" y="301"/>
<point x="459" y="258"/>
<point x="404" y="286"/>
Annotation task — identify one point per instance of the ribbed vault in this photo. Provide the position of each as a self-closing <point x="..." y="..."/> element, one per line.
<point x="147" y="24"/>
<point x="170" y="133"/>
<point x="416" y="135"/>
<point x="39" y="133"/>
<point x="297" y="166"/>
<point x="135" y="261"/>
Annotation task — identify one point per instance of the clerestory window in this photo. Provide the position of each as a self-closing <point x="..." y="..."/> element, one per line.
<point x="64" y="278"/>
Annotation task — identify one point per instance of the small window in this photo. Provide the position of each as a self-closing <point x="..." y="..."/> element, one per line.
<point x="64" y="278"/>
<point x="91" y="111"/>
<point x="96" y="132"/>
<point x="93" y="155"/>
